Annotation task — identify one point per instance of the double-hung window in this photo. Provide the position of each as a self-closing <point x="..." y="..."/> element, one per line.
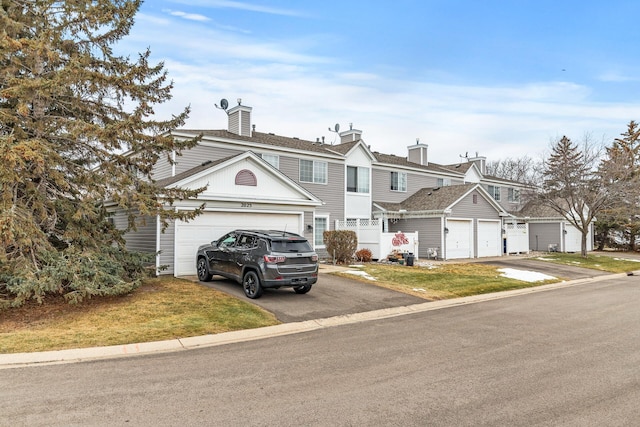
<point x="272" y="159"/>
<point x="494" y="191"/>
<point x="398" y="181"/>
<point x="313" y="171"/>
<point x="444" y="182"/>
<point x="513" y="195"/>
<point x="357" y="179"/>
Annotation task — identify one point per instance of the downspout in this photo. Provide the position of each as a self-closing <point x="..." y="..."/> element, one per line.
<point x="158" y="231"/>
<point x="443" y="239"/>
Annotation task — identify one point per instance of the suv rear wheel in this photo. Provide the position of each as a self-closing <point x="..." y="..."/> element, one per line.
<point x="251" y="285"/>
<point x="203" y="271"/>
<point x="302" y="289"/>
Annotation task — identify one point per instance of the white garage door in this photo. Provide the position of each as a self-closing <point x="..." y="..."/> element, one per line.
<point x="459" y="239"/>
<point x="211" y="225"/>
<point x="573" y="239"/>
<point x="489" y="238"/>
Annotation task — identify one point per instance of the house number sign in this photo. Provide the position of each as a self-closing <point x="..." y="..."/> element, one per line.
<point x="246" y="205"/>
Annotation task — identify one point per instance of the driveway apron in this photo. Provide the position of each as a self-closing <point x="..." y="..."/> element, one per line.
<point x="331" y="296"/>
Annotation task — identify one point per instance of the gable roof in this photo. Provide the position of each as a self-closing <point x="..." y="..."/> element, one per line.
<point x="201" y="175"/>
<point x="316" y="147"/>
<point x="437" y="200"/>
<point x="458" y="170"/>
<point x="390" y="159"/>
<point x="191" y="172"/>
<point x="259" y="138"/>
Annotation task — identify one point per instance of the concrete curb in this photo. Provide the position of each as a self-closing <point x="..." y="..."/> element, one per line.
<point x="16" y="360"/>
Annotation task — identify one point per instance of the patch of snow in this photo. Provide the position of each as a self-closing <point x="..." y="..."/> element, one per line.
<point x="428" y="266"/>
<point x="541" y="258"/>
<point x="419" y="290"/>
<point x="524" y="275"/>
<point x="361" y="274"/>
<point x="627" y="259"/>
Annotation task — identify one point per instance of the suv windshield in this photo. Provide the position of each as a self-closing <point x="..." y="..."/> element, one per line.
<point x="291" y="246"/>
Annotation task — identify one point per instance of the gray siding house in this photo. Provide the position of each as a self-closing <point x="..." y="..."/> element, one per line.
<point x="263" y="180"/>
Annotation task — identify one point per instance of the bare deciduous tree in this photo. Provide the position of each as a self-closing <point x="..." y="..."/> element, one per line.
<point x="523" y="169"/>
<point x="571" y="185"/>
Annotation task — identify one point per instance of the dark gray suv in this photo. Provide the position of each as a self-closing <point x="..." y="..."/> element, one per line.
<point x="260" y="259"/>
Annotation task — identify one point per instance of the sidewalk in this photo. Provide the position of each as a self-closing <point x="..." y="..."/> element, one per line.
<point x="16" y="360"/>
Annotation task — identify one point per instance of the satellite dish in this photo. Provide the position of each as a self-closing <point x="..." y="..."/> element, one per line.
<point x="224" y="104"/>
<point x="337" y="127"/>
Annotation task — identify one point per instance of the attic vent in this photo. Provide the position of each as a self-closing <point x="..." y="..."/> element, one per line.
<point x="436" y="189"/>
<point x="246" y="177"/>
<point x="208" y="162"/>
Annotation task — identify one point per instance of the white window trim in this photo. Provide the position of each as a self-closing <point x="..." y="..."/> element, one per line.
<point x="406" y="179"/>
<point x="494" y="190"/>
<point x="446" y="182"/>
<point x="326" y="218"/>
<point x="313" y="171"/>
<point x="511" y="195"/>
<point x="273" y="156"/>
<point x="360" y="177"/>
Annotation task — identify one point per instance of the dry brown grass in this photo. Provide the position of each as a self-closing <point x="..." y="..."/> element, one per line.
<point x="161" y="309"/>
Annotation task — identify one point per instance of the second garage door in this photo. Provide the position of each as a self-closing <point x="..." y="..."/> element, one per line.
<point x="489" y="237"/>
<point x="211" y="225"/>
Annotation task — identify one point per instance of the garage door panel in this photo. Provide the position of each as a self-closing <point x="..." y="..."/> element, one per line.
<point x="489" y="239"/>
<point x="458" y="239"/>
<point x="210" y="226"/>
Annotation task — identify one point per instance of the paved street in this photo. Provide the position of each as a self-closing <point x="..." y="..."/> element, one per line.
<point x="568" y="356"/>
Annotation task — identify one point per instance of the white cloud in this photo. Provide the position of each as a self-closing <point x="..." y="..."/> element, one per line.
<point x="188" y="16"/>
<point x="295" y="92"/>
<point x="238" y="5"/>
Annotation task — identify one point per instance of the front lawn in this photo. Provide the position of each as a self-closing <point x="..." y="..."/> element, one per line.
<point x="161" y="309"/>
<point x="440" y="280"/>
<point x="610" y="263"/>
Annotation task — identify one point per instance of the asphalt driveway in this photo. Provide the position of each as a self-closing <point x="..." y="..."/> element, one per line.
<point x="335" y="296"/>
<point x="566" y="272"/>
<point x="330" y="296"/>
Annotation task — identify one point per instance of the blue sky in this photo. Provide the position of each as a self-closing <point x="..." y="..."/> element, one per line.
<point x="500" y="78"/>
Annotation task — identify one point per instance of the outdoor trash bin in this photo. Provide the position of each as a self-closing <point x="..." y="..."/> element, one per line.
<point x="409" y="260"/>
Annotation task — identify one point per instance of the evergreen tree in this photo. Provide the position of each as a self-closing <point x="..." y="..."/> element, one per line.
<point x="571" y="186"/>
<point x="76" y="130"/>
<point x="620" y="172"/>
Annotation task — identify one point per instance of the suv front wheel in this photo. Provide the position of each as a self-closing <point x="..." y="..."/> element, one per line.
<point x="203" y="271"/>
<point x="251" y="285"/>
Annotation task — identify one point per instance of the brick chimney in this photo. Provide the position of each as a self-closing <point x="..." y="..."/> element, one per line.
<point x="418" y="153"/>
<point x="240" y="119"/>
<point x="350" y="135"/>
